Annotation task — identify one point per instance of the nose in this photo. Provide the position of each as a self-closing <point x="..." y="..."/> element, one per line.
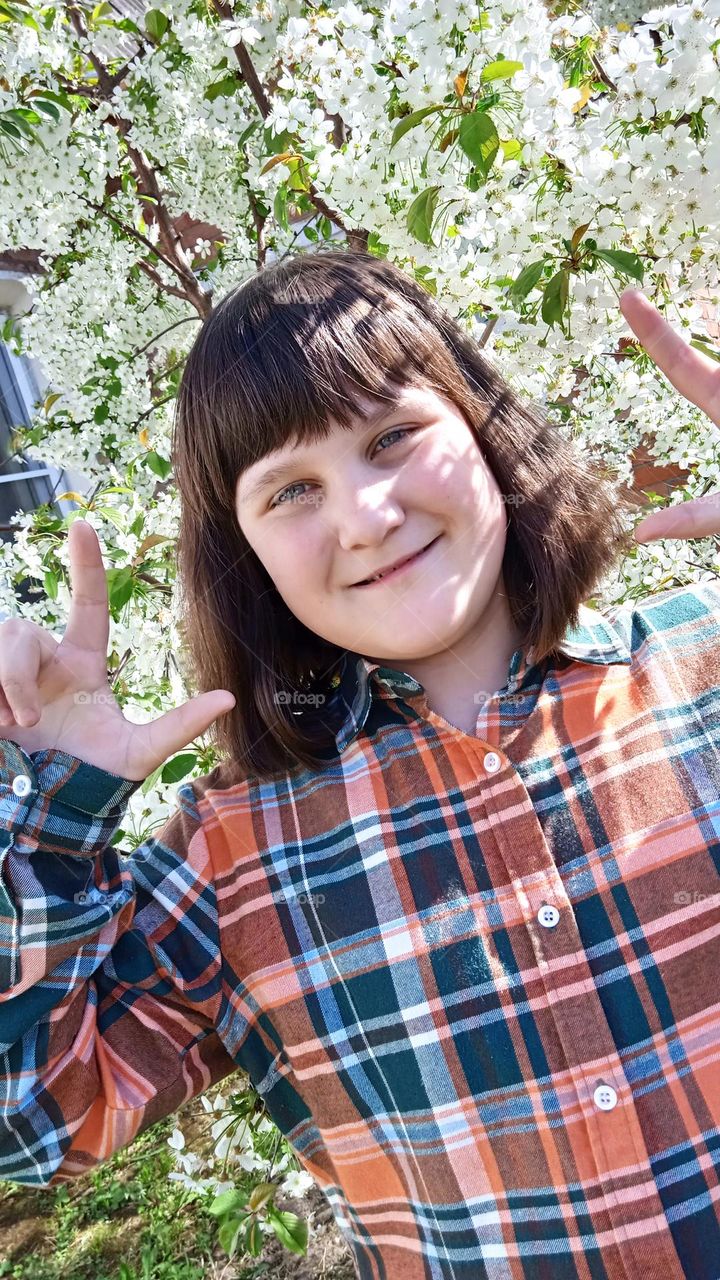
<point x="363" y="515"/>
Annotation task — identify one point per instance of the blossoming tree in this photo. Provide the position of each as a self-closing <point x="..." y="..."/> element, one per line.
<point x="524" y="163"/>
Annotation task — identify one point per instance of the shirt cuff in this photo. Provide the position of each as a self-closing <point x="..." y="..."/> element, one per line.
<point x="58" y="801"/>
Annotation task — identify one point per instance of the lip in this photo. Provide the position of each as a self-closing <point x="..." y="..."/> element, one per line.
<point x="405" y="564"/>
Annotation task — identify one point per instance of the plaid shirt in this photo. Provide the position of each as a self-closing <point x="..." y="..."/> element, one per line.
<point x="474" y="978"/>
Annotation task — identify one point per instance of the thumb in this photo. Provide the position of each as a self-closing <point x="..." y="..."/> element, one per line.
<point x="177" y="728"/>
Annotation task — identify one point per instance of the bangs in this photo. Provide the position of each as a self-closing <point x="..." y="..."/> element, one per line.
<point x="288" y="355"/>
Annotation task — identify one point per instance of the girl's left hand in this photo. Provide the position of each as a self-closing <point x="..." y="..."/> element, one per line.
<point x="697" y="378"/>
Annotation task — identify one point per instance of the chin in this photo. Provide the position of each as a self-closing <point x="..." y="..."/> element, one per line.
<point x="398" y="653"/>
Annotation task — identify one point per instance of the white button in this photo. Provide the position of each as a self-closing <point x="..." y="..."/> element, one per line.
<point x="548" y="915"/>
<point x="21" y="785"/>
<point x="605" y="1097"/>
<point x="492" y="762"/>
<point x="80" y="897"/>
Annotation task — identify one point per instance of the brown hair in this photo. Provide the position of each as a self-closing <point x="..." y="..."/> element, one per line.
<point x="276" y="359"/>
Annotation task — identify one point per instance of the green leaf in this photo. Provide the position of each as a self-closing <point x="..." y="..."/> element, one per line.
<point x="276" y="143"/>
<point x="150" y="781"/>
<point x="51" y="584"/>
<point x="479" y="140"/>
<point x="409" y="122"/>
<point x="115" y="518"/>
<point x="501" y="70"/>
<point x="253" y="1238"/>
<point x="261" y="1194"/>
<point x="6" y="126"/>
<point x="229" y="1232"/>
<point x="120" y="586"/>
<point x="127" y="24"/>
<point x="59" y="96"/>
<point x="100" y="11"/>
<point x="706" y="350"/>
<point x="377" y="246"/>
<point x="228" y="1201"/>
<point x="16" y="118"/>
<point x="159" y="465"/>
<point x="280" y="208"/>
<point x="101" y="412"/>
<point x="555" y="297"/>
<point x="156" y="23"/>
<point x="511" y="149"/>
<point x="246" y="133"/>
<point x="290" y="1230"/>
<point x="179" y="767"/>
<point x="47" y="108"/>
<point x="420" y="215"/>
<point x="527" y="280"/>
<point x="628" y="264"/>
<point x="423" y="277"/>
<point x="224" y="88"/>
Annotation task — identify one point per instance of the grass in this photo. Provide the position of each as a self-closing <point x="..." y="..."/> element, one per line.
<point x="123" y="1221"/>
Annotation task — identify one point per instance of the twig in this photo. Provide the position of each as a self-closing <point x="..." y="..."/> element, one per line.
<point x="153" y="407"/>
<point x="140" y="351"/>
<point x="174" y="254"/>
<point x="357" y="236"/>
<point x="130" y="231"/>
<point x="156" y="279"/>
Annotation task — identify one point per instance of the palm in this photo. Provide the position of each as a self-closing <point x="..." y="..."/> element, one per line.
<point x="78" y="712"/>
<point x="78" y="707"/>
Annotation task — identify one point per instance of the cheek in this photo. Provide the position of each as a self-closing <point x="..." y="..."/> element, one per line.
<point x="463" y="484"/>
<point x="291" y="557"/>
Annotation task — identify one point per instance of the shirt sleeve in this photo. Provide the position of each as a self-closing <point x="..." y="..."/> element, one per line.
<point x="110" y="968"/>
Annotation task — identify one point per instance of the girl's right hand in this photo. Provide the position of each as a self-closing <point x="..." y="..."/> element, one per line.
<point x="57" y="694"/>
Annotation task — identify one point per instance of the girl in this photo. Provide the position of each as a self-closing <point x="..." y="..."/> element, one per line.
<point x="452" y="898"/>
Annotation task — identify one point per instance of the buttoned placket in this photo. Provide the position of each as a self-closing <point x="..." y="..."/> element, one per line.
<point x="524" y="860"/>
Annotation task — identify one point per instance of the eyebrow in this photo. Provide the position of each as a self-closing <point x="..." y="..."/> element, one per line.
<point x="273" y="475"/>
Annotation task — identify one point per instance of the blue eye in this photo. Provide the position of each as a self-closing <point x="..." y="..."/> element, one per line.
<point x="278" y="501"/>
<point x="394" y="432"/>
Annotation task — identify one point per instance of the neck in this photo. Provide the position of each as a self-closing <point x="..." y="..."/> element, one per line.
<point x="457" y="679"/>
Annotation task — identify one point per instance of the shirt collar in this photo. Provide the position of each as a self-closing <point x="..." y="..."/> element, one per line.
<point x="595" y="639"/>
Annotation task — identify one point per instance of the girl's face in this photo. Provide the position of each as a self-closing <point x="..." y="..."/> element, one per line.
<point x="412" y="481"/>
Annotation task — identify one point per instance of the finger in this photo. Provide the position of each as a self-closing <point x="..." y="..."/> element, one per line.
<point x="89" y="618"/>
<point x="6" y="716"/>
<point x="19" y="666"/>
<point x="697" y="518"/>
<point x="694" y="375"/>
<point x="181" y="726"/>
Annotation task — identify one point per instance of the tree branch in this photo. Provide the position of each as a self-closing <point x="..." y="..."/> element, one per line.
<point x="141" y="350"/>
<point x="174" y="254"/>
<point x="157" y="280"/>
<point x="130" y="231"/>
<point x="357" y="236"/>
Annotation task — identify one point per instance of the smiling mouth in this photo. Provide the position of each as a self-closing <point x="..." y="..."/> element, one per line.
<point x="404" y="564"/>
